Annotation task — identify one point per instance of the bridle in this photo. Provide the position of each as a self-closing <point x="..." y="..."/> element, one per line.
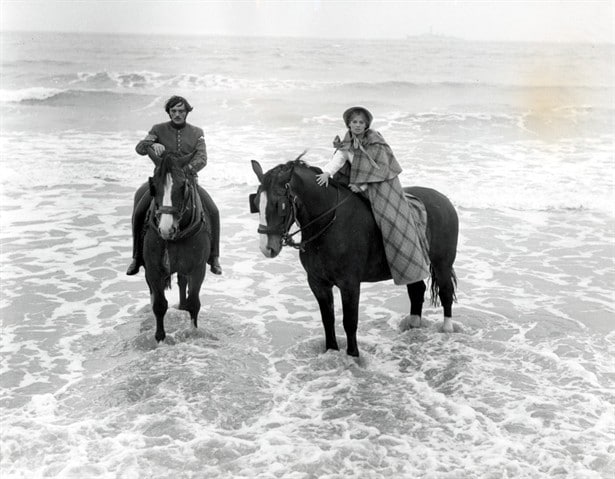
<point x="290" y="217"/>
<point x="174" y="210"/>
<point x="195" y="224"/>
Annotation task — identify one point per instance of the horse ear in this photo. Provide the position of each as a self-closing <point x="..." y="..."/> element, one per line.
<point x="301" y="155"/>
<point x="258" y="170"/>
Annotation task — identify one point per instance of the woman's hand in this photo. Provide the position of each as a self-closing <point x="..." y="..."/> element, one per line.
<point x="323" y="179"/>
<point x="354" y="188"/>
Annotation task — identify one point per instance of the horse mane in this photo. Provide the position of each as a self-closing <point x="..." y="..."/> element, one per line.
<point x="314" y="169"/>
<point x="170" y="162"/>
<point x="289" y="166"/>
<point x="300" y="163"/>
<point x="166" y="164"/>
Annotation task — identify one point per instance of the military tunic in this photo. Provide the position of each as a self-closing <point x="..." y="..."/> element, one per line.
<point x="184" y="140"/>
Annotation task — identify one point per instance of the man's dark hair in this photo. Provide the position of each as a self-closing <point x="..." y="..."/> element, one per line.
<point x="175" y="100"/>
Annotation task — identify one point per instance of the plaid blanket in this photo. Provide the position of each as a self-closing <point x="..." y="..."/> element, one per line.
<point x="403" y="223"/>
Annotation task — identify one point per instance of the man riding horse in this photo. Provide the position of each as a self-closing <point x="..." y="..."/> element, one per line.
<point x="176" y="136"/>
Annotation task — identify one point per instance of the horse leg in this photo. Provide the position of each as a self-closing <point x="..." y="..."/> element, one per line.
<point x="193" y="302"/>
<point x="350" y="306"/>
<point x="416" y="293"/>
<point x="446" y="291"/>
<point x="182" y="282"/>
<point x="159" y="306"/>
<point x="324" y="295"/>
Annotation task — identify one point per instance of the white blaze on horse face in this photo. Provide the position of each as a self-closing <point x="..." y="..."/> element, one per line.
<point x="165" y="225"/>
<point x="262" y="207"/>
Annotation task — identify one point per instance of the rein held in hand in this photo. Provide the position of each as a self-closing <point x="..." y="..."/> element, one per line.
<point x="287" y="238"/>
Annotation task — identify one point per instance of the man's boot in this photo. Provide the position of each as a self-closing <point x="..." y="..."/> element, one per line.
<point x="133" y="268"/>
<point x="142" y="200"/>
<point x="215" y="265"/>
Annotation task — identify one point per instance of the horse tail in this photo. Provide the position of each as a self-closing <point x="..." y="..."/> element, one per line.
<point x="442" y="276"/>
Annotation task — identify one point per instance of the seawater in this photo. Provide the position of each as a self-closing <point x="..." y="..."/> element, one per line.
<point x="518" y="136"/>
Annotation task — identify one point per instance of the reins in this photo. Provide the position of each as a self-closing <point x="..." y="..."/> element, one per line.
<point x="287" y="238"/>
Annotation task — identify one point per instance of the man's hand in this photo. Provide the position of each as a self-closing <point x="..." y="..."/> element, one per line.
<point x="158" y="149"/>
<point x="190" y="172"/>
<point x="323" y="179"/>
<point x="354" y="188"/>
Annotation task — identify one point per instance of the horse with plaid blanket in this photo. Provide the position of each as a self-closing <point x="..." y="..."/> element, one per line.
<point x="341" y="244"/>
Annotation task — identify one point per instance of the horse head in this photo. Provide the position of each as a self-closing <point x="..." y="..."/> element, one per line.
<point x="275" y="204"/>
<point x="281" y="201"/>
<point x="170" y="187"/>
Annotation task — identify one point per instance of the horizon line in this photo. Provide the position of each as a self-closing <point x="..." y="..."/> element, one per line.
<point x="425" y="35"/>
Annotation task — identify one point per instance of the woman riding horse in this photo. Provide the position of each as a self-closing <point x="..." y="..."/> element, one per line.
<point x="341" y="244"/>
<point x="374" y="174"/>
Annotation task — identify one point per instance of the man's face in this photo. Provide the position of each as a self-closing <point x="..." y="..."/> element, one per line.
<point x="178" y="114"/>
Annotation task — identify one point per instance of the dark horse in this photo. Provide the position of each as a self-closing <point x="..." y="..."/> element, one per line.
<point x="342" y="245"/>
<point x="177" y="239"/>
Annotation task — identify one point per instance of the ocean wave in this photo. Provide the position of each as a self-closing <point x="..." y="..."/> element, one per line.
<point x="47" y="62"/>
<point x="145" y="80"/>
<point x="40" y="95"/>
<point x="152" y="81"/>
<point x="473" y="84"/>
<point x="28" y="94"/>
<point x="139" y="79"/>
<point x="599" y="206"/>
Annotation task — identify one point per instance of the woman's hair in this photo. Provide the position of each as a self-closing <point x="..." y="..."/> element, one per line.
<point x="350" y="113"/>
<point x="176" y="100"/>
<point x="357" y="113"/>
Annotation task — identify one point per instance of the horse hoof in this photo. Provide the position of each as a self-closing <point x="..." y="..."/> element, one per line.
<point x="332" y="346"/>
<point x="160" y="337"/>
<point x="447" y="326"/>
<point x="411" y="321"/>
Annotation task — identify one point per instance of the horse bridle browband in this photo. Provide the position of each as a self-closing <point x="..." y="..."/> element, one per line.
<point x="173" y="210"/>
<point x="290" y="218"/>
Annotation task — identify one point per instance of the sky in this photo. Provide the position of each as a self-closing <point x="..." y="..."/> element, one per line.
<point x="500" y="20"/>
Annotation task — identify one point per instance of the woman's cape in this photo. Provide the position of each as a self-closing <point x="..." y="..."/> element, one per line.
<point x="373" y="159"/>
<point x="403" y="226"/>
